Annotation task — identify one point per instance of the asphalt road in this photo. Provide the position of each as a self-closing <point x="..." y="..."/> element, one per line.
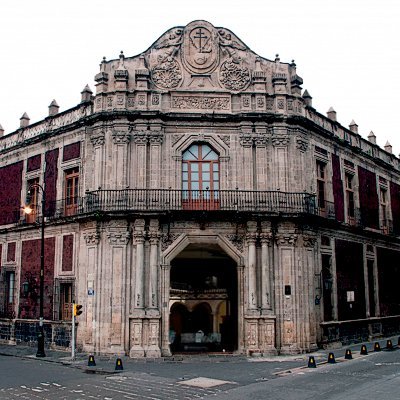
<point x="376" y="376"/>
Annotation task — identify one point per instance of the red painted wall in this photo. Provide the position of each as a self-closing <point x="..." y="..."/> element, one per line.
<point x="10" y="193"/>
<point x="34" y="163"/>
<point x="11" y="251"/>
<point x="350" y="277"/>
<point x="337" y="185"/>
<point x="50" y="181"/>
<point x="30" y="272"/>
<point x="369" y="203"/>
<point x="395" y="202"/>
<point x="72" y="151"/>
<point x="67" y="254"/>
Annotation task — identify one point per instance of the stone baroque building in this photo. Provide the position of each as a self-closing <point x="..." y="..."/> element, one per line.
<point x="198" y="201"/>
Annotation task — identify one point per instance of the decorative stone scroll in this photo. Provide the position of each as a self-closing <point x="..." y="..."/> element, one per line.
<point x="286" y="239"/>
<point x="92" y="238"/>
<point x="167" y="240"/>
<point x="118" y="237"/>
<point x="201" y="103"/>
<point x="280" y="140"/>
<point x="301" y="144"/>
<point x="121" y="137"/>
<point x="97" y="139"/>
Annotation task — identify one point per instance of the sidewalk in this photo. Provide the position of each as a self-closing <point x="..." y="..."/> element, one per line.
<point x="106" y="363"/>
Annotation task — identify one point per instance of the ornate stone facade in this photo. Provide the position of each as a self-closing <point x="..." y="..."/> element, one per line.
<point x="204" y="205"/>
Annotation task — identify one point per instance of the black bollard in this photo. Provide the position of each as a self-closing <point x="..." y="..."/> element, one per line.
<point x="348" y="355"/>
<point x="91" y="362"/>
<point x="118" y="365"/>
<point x="364" y="350"/>
<point x="311" y="362"/>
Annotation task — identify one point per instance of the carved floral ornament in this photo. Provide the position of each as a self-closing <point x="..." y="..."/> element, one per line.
<point x="234" y="75"/>
<point x="167" y="73"/>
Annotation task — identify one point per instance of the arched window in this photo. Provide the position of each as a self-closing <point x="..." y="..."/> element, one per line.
<point x="200" y="173"/>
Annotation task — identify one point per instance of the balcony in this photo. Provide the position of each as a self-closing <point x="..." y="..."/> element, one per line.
<point x="165" y="200"/>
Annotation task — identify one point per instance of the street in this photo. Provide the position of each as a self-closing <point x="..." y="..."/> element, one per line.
<point x="375" y="376"/>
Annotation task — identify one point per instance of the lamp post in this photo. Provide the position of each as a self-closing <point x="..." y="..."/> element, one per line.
<point x="28" y="210"/>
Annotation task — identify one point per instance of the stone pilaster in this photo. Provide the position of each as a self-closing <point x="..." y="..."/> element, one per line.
<point x="114" y="277"/>
<point x="97" y="138"/>
<point x="90" y="334"/>
<point x="121" y="140"/>
<point x="140" y="160"/>
<point x="156" y="137"/>
<point x="285" y="289"/>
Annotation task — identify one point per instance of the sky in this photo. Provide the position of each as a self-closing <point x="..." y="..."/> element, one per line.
<point x="346" y="51"/>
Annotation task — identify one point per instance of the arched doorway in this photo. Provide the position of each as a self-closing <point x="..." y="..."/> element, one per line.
<point x="203" y="300"/>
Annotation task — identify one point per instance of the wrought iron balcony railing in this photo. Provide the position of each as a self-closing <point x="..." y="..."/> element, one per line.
<point x="161" y="200"/>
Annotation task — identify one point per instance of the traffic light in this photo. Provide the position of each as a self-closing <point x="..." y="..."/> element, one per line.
<point x="77" y="309"/>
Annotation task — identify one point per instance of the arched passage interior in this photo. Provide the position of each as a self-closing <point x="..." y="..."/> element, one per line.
<point x="203" y="300"/>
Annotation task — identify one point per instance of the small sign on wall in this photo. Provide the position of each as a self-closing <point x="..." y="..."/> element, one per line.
<point x="350" y="296"/>
<point x="90" y="292"/>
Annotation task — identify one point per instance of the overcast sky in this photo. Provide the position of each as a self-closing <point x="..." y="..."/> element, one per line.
<point x="347" y="51"/>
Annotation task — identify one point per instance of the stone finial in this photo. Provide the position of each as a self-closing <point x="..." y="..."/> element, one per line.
<point x="24" y="120"/>
<point x="353" y="126"/>
<point x="307" y="98"/>
<point x="53" y="108"/>
<point x="331" y="114"/>
<point x="372" y="137"/>
<point x="388" y="148"/>
<point x="1" y="131"/>
<point x="86" y="94"/>
<point x="277" y="59"/>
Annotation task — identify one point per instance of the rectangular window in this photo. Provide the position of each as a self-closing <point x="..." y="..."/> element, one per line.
<point x="32" y="199"/>
<point x="71" y="190"/>
<point x="66" y="301"/>
<point x="7" y="295"/>
<point x="349" y="198"/>
<point x="321" y="184"/>
<point x="383" y="207"/>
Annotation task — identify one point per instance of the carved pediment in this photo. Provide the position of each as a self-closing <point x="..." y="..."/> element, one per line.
<point x="191" y="59"/>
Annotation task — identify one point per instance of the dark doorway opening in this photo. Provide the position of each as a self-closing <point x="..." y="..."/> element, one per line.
<point x="203" y="301"/>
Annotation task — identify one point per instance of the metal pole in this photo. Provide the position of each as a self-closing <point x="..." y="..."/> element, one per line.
<point x="40" y="349"/>
<point x="73" y="333"/>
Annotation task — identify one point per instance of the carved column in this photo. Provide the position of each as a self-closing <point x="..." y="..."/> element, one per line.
<point x="153" y="281"/>
<point x="139" y="238"/>
<point x="120" y="159"/>
<point x="165" y="288"/>
<point x="97" y="139"/>
<point x="266" y="270"/>
<point x="251" y="238"/>
<point x="136" y="322"/>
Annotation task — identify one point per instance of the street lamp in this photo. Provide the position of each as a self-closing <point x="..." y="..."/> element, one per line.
<point x="28" y="210"/>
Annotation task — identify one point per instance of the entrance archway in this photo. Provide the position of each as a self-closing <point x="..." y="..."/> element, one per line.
<point x="203" y="300"/>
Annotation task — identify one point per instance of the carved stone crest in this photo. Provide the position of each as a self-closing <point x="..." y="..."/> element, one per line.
<point x="167" y="73"/>
<point x="200" y="47"/>
<point x="234" y="75"/>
